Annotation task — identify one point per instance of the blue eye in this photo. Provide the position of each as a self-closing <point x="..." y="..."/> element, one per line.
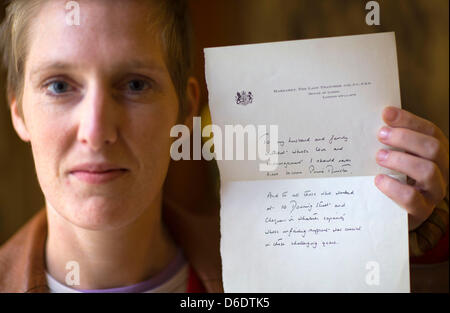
<point x="137" y="85"/>
<point x="58" y="87"/>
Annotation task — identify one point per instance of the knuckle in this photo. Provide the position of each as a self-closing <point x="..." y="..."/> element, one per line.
<point x="433" y="146"/>
<point x="429" y="170"/>
<point x="432" y="129"/>
<point x="409" y="196"/>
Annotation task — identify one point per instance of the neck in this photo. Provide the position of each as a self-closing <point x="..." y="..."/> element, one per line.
<point x="109" y="259"/>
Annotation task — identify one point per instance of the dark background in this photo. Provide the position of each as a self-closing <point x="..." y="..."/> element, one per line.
<point x="421" y="28"/>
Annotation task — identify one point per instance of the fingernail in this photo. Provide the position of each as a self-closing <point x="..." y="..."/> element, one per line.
<point x="382" y="155"/>
<point x="390" y="114"/>
<point x="384" y="132"/>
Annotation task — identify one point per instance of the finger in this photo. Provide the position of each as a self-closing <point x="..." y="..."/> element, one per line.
<point x="418" y="144"/>
<point x="427" y="175"/>
<point x="396" y="117"/>
<point x="409" y="198"/>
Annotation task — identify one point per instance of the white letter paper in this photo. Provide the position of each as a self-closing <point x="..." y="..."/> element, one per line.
<point x="317" y="223"/>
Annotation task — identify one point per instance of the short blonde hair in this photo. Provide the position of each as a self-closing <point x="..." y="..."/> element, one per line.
<point x="170" y="17"/>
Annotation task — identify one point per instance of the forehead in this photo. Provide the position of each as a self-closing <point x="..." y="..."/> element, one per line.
<point x="109" y="32"/>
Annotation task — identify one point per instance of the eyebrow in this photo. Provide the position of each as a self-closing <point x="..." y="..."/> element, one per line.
<point x="48" y="66"/>
<point x="132" y="63"/>
<point x="146" y="64"/>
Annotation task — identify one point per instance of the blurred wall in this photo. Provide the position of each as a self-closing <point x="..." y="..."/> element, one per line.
<point x="421" y="28"/>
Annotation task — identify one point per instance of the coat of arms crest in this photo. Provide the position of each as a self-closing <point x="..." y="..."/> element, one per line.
<point x="244" y="97"/>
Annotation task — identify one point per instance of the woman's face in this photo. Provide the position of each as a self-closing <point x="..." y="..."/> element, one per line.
<point x="98" y="105"/>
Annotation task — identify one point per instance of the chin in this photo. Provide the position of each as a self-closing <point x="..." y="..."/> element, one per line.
<point x="100" y="214"/>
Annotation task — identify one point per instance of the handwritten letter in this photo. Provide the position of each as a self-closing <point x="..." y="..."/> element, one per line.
<point x="317" y="223"/>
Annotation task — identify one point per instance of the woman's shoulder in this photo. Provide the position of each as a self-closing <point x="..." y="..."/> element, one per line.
<point x="22" y="262"/>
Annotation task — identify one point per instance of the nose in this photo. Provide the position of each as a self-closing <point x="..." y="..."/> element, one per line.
<point x="98" y="125"/>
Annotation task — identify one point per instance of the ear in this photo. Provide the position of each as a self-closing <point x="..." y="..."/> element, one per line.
<point x="18" y="121"/>
<point x="193" y="101"/>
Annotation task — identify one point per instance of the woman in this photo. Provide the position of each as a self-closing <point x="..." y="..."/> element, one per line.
<point x="97" y="101"/>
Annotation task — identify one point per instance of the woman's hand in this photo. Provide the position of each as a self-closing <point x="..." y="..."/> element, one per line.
<point x="425" y="161"/>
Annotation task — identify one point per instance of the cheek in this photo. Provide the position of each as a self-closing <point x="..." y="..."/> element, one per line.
<point x="48" y="137"/>
<point x="154" y="123"/>
<point x="154" y="134"/>
<point x="151" y="139"/>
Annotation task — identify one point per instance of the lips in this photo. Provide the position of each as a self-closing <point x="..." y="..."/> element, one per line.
<point x="97" y="173"/>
